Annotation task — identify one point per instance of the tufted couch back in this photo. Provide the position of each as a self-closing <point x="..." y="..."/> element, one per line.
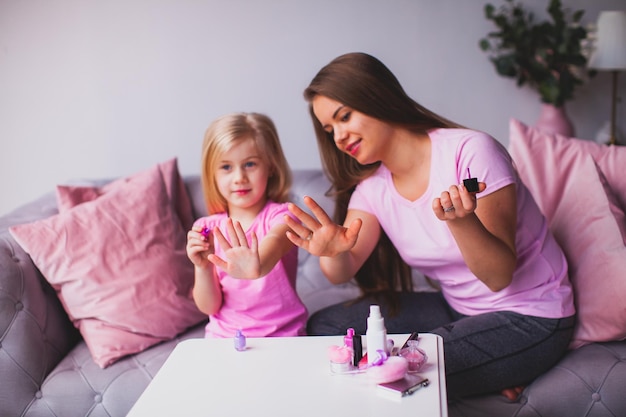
<point x="46" y="369"/>
<point x="35" y="333"/>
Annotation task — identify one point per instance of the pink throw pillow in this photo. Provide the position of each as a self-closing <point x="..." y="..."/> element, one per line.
<point x="572" y="181"/>
<point x="69" y="196"/>
<point x="119" y="265"/>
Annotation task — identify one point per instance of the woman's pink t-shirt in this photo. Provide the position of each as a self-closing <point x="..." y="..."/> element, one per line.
<point x="540" y="285"/>
<point x="267" y="306"/>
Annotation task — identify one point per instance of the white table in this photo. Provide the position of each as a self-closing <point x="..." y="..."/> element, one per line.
<point x="286" y="376"/>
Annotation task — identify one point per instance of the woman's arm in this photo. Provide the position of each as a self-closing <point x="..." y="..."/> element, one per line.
<point x="341" y="268"/>
<point x="484" y="231"/>
<point x="273" y="247"/>
<point x="342" y="249"/>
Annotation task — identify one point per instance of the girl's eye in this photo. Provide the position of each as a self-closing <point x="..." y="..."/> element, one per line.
<point x="225" y="167"/>
<point x="250" y="164"/>
<point x="345" y="117"/>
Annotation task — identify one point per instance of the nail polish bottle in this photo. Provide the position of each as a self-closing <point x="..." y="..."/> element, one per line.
<point x="376" y="334"/>
<point x="348" y="338"/>
<point x="348" y="342"/>
<point x="240" y="341"/>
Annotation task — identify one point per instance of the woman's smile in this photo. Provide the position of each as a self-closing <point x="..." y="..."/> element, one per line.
<point x="353" y="148"/>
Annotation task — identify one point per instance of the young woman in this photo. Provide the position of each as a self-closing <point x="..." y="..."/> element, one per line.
<point x="246" y="282"/>
<point x="505" y="310"/>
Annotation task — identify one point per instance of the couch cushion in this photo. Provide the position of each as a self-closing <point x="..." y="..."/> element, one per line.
<point x="586" y="382"/>
<point x="35" y="333"/>
<point x="565" y="175"/>
<point x="69" y="196"/>
<point x="79" y="387"/>
<point x="119" y="265"/>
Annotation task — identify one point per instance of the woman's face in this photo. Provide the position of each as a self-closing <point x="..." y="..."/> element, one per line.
<point x="364" y="138"/>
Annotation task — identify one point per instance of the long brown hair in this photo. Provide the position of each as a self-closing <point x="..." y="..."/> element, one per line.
<point x="365" y="84"/>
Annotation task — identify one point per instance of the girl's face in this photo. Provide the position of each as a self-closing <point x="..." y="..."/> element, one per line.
<point x="364" y="138"/>
<point x="242" y="176"/>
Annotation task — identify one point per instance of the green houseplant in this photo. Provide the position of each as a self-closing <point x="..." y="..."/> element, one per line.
<point x="549" y="56"/>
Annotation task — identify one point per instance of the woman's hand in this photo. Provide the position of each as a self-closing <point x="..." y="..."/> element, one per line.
<point x="242" y="260"/>
<point x="199" y="246"/>
<point x="319" y="235"/>
<point x="485" y="234"/>
<point x="457" y="202"/>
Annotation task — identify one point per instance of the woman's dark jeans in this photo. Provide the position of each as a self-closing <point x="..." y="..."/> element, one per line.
<point x="483" y="354"/>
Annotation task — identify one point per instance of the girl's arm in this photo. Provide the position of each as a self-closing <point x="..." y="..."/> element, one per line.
<point x="342" y="249"/>
<point x="207" y="292"/>
<point x="485" y="232"/>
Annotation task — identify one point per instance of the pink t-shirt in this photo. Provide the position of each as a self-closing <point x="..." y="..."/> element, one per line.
<point x="267" y="306"/>
<point x="540" y="285"/>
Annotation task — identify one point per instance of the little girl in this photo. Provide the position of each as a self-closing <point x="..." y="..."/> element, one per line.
<point x="245" y="267"/>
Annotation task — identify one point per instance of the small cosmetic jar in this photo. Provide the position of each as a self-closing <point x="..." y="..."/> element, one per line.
<point x="414" y="355"/>
<point x="340" y="359"/>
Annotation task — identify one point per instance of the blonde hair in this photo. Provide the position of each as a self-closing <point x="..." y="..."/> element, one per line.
<point x="227" y="131"/>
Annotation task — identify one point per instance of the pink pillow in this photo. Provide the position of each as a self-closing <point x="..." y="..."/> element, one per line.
<point x="70" y="196"/>
<point x="572" y="181"/>
<point x="119" y="265"/>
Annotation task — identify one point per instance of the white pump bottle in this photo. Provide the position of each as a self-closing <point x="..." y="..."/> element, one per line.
<point x="376" y="335"/>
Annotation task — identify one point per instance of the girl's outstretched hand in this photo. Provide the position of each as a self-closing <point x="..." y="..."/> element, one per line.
<point x="319" y="235"/>
<point x="242" y="260"/>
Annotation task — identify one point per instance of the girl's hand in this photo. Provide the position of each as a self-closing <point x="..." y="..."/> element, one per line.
<point x="456" y="203"/>
<point x="319" y="235"/>
<point x="242" y="260"/>
<point x="199" y="246"/>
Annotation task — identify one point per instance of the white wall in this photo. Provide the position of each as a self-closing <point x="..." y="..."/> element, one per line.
<point x="106" y="88"/>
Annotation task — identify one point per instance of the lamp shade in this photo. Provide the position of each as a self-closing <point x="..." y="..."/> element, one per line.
<point x="610" y="49"/>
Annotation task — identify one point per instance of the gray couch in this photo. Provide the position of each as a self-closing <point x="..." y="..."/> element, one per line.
<point x="46" y="369"/>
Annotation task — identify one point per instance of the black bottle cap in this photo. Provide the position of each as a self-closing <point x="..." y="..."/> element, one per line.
<point x="357" y="346"/>
<point x="471" y="184"/>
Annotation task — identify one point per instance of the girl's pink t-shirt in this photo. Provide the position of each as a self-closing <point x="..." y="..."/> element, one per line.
<point x="540" y="285"/>
<point x="267" y="306"/>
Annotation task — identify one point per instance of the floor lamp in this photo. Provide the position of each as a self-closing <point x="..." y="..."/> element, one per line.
<point x="610" y="54"/>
